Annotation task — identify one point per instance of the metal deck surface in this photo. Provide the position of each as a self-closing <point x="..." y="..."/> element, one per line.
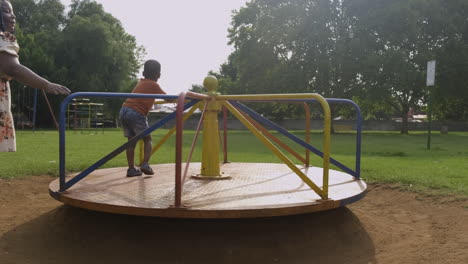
<point x="253" y="190"/>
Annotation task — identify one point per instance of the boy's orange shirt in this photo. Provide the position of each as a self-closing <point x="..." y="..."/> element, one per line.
<point x="143" y="105"/>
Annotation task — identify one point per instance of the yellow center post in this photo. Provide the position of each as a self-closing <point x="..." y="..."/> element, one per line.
<point x="210" y="166"/>
<point x="210" y="155"/>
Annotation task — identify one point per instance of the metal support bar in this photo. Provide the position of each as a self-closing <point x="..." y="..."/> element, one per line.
<point x="195" y="138"/>
<point x="273" y="138"/>
<point x="173" y="129"/>
<point x="293" y="137"/>
<point x="276" y="151"/>
<point x="178" y="146"/>
<point x="357" y="172"/>
<point x="225" y="137"/>
<point x="307" y="135"/>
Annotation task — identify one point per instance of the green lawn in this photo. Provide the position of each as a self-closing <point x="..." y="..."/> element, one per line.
<point x="386" y="157"/>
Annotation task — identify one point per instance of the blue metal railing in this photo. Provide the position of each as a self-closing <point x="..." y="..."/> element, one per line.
<point x="66" y="185"/>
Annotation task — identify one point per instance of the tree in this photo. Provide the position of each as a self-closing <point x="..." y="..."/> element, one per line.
<point x="372" y="50"/>
<point x="39" y="26"/>
<point x="105" y="58"/>
<point x="450" y="95"/>
<point x="292" y="47"/>
<point x="400" y="37"/>
<point x="86" y="50"/>
<point x="397" y="49"/>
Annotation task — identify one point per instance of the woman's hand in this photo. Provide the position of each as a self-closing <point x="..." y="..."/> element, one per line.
<point x="57" y="89"/>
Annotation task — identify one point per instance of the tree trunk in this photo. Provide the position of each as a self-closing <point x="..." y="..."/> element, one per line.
<point x="404" y="121"/>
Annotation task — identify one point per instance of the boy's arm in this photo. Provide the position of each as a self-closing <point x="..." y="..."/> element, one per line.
<point x="161" y="91"/>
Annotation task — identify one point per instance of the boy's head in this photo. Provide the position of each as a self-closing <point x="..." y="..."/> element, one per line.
<point x="152" y="70"/>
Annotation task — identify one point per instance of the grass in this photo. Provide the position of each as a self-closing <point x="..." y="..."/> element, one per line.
<point x="386" y="157"/>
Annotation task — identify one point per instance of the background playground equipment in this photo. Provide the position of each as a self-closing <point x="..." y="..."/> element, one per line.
<point x="25" y="107"/>
<point x="83" y="114"/>
<point x="230" y="190"/>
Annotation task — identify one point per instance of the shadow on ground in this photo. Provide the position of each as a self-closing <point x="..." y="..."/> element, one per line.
<point x="71" y="235"/>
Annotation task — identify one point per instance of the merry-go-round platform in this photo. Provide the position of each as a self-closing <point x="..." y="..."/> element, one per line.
<point x="251" y="190"/>
<point x="211" y="188"/>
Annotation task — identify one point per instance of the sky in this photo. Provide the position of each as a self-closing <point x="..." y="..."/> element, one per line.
<point x="188" y="37"/>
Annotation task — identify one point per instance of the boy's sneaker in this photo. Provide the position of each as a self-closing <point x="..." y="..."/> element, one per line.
<point x="146" y="169"/>
<point x="132" y="172"/>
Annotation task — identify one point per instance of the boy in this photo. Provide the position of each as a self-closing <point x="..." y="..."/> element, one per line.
<point x="133" y="116"/>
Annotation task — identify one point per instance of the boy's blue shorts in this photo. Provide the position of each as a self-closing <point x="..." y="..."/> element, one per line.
<point x="133" y="122"/>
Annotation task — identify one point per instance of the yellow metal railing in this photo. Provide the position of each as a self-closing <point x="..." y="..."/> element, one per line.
<point x="326" y="133"/>
<point x="214" y="102"/>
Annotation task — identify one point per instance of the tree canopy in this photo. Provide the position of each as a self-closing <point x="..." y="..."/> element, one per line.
<point x="372" y="51"/>
<point x="86" y="49"/>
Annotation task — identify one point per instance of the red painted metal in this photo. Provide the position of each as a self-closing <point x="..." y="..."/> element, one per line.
<point x="193" y="143"/>
<point x="197" y="96"/>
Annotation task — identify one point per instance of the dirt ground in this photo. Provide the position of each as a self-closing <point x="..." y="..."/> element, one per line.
<point x="387" y="226"/>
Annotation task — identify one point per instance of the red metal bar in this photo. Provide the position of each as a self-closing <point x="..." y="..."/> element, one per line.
<point x="225" y="149"/>
<point x="193" y="143"/>
<point x="178" y="158"/>
<point x="197" y="96"/>
<point x="307" y="135"/>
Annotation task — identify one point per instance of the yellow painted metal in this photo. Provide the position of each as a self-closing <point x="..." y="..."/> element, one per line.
<point x="274" y="149"/>
<point x="326" y="124"/>
<point x="161" y="102"/>
<point x="169" y="134"/>
<point x="307" y="135"/>
<point x="210" y="155"/>
<point x="256" y="97"/>
<point x="211" y="84"/>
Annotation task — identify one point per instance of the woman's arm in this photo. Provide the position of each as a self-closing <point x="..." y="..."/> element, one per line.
<point x="11" y="66"/>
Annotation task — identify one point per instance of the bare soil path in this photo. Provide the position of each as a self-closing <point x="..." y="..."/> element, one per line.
<point x="387" y="226"/>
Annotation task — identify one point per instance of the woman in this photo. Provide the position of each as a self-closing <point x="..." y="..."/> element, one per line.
<point x="11" y="68"/>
